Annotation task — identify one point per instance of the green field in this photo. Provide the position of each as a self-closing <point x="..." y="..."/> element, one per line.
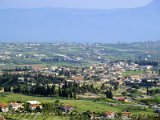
<point x="134" y="72"/>
<point x="80" y="105"/>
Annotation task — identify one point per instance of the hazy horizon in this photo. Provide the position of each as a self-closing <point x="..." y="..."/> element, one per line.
<point x="133" y="22"/>
<point x="79" y="4"/>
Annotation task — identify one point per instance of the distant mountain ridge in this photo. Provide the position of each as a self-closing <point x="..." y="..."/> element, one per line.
<point x="80" y="25"/>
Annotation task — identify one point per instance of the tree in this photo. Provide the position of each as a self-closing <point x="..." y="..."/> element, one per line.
<point x="91" y="88"/>
<point x="75" y="86"/>
<point x="102" y="86"/>
<point x="70" y="94"/>
<point x="59" y="91"/>
<point x="109" y="94"/>
<point x="53" y="90"/>
<point x="65" y="90"/>
<point x="147" y="92"/>
<point x="65" y="93"/>
<point x="124" y="93"/>
<point x="116" y="87"/>
<point x="49" y="92"/>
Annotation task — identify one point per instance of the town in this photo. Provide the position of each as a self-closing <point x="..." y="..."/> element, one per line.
<point x="120" y="89"/>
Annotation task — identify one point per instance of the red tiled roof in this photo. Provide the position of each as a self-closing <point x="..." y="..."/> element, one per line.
<point x="3" y="105"/>
<point x="108" y="113"/>
<point x="35" y="105"/>
<point x="121" y="98"/>
<point x="78" y="78"/>
<point x="126" y="114"/>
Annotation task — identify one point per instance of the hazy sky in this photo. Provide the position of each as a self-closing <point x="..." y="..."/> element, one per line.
<point x="85" y="4"/>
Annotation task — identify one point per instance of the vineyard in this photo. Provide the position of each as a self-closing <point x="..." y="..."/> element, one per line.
<point x="33" y="116"/>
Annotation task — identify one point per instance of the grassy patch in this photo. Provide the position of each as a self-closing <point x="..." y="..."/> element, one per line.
<point x="80" y="105"/>
<point x="134" y="72"/>
<point x="32" y="116"/>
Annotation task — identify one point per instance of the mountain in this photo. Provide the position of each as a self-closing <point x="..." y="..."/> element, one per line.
<point x="80" y="25"/>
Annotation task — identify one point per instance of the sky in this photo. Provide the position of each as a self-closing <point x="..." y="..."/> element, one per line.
<point x="83" y="4"/>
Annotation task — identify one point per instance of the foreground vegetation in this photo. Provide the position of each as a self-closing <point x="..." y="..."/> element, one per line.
<point x="80" y="105"/>
<point x="33" y="116"/>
